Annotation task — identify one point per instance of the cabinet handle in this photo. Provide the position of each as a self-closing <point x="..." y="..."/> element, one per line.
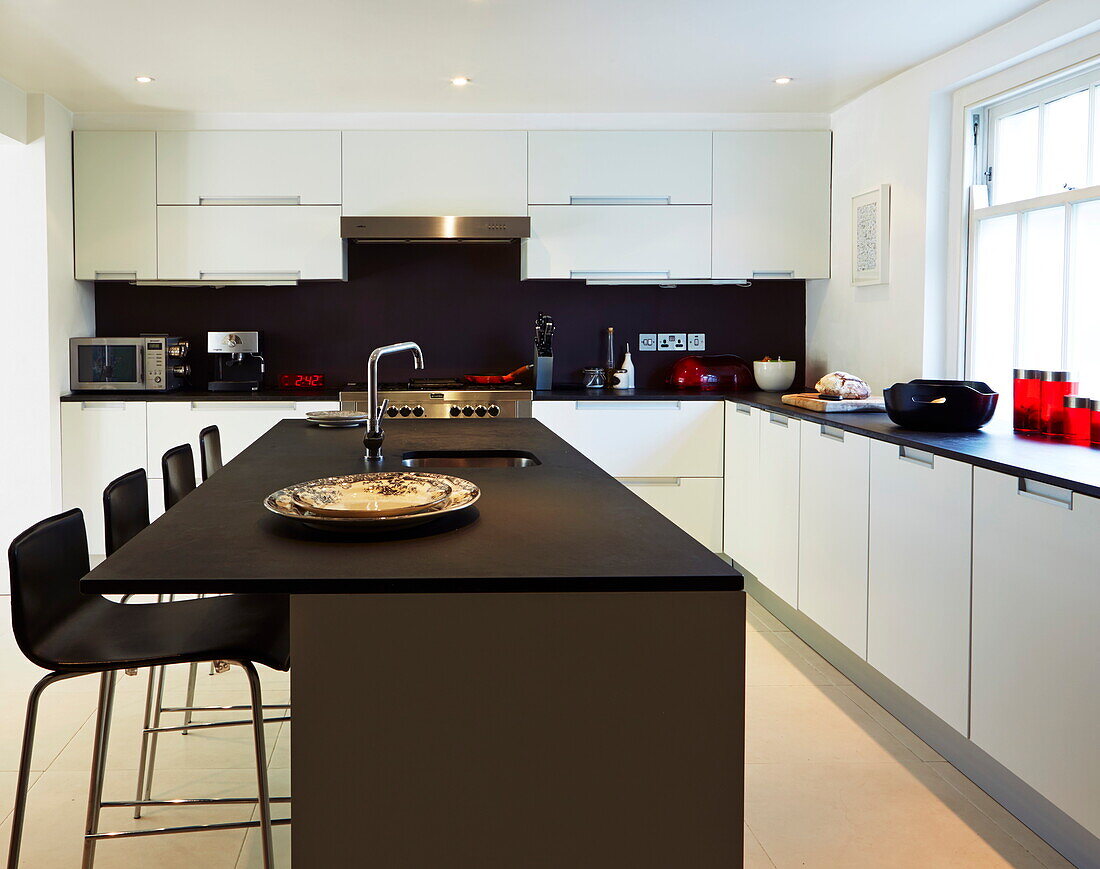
<point x="776" y="275"/>
<point x="244" y="405"/>
<point x="103" y="405"/>
<point x="250" y="276"/>
<point x="917" y="457"/>
<point x="743" y="408"/>
<point x="619" y="200"/>
<point x="1048" y="494"/>
<point x="778" y="419"/>
<point x="612" y="275"/>
<point x="627" y="405"/>
<point x="833" y="434"/>
<point x="649" y="481"/>
<point x="250" y="200"/>
<point x="115" y="276"/>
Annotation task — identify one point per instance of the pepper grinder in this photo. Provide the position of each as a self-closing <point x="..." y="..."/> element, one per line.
<point x="610" y="366"/>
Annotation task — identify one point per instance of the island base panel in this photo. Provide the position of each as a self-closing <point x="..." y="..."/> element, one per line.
<point x="519" y="729"/>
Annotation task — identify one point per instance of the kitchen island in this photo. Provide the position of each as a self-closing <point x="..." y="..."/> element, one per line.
<point x="554" y="677"/>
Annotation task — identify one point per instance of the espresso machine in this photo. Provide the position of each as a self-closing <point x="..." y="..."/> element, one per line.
<point x="236" y="361"/>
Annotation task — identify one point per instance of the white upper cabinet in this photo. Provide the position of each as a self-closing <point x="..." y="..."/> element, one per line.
<point x="834" y="494"/>
<point x="771" y="204"/>
<point x="254" y="242"/>
<point x="431" y="172"/>
<point x="621" y="167"/>
<point x="115" y="205"/>
<point x="229" y="167"/>
<point x="611" y="242"/>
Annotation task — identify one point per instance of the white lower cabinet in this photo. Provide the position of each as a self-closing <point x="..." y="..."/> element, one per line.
<point x="100" y="440"/>
<point x="918" y="587"/>
<point x="1035" y="706"/>
<point x="618" y="242"/>
<point x="741" y="516"/>
<point x="249" y="242"/>
<point x="693" y="503"/>
<point x="832" y="532"/>
<point x="240" y="423"/>
<point x="669" y="453"/>
<point x="777" y="502"/>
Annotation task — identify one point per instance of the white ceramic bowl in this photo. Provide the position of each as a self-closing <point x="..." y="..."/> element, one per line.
<point x="774" y="376"/>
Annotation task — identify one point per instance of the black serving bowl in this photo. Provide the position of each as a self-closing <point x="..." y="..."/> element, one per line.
<point x="940" y="405"/>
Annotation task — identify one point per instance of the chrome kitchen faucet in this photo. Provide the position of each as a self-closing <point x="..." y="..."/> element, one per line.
<point x="376" y="408"/>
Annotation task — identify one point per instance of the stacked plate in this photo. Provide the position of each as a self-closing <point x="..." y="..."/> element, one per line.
<point x="373" y="502"/>
<point x="338" y="418"/>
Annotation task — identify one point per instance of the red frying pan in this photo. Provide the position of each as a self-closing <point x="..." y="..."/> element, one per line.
<point x="488" y="379"/>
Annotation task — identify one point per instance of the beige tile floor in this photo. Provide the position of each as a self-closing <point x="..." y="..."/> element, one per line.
<point x="832" y="780"/>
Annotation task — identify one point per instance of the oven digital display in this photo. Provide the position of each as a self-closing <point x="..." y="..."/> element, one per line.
<point x="301" y="381"/>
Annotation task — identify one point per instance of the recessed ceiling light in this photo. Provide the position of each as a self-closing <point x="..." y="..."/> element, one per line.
<point x="143" y="79"/>
<point x="784" y="79"/>
<point x="460" y="81"/>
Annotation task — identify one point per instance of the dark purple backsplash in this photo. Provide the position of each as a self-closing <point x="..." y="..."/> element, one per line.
<point x="466" y="307"/>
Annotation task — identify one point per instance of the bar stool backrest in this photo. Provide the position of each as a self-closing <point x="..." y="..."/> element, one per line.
<point x="178" y="466"/>
<point x="46" y="563"/>
<point x="125" y="509"/>
<point x="210" y="451"/>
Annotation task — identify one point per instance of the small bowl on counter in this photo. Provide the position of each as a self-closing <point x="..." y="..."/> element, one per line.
<point x="774" y="375"/>
<point x="940" y="405"/>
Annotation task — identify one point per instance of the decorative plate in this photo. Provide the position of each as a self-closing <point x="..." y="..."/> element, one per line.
<point x="463" y="494"/>
<point x="366" y="496"/>
<point x="338" y="418"/>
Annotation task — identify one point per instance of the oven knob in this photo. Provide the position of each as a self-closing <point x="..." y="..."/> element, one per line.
<point x="494" y="410"/>
<point x="418" y="411"/>
<point x="481" y="410"/>
<point x="467" y="411"/>
<point x="455" y="410"/>
<point x="392" y="411"/>
<point x="406" y="410"/>
<point x="156" y="379"/>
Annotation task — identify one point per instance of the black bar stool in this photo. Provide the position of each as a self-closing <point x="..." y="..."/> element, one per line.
<point x="210" y="451"/>
<point x="73" y="634"/>
<point x="178" y="468"/>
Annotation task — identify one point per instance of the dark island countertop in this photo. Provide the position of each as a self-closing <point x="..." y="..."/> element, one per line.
<point x="564" y="525"/>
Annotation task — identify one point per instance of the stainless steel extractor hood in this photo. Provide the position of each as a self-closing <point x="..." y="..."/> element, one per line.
<point x="440" y="228"/>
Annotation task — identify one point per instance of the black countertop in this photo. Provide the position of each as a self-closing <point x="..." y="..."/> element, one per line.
<point x="203" y="395"/>
<point x="564" y="525"/>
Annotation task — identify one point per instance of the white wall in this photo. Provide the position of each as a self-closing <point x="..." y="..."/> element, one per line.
<point x="903" y="133"/>
<point x="13" y="111"/>
<point x="40" y="307"/>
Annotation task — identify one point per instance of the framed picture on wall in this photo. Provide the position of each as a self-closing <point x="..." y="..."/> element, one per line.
<point x="871" y="237"/>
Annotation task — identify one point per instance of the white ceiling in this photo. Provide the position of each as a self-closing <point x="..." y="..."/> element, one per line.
<point x="522" y="55"/>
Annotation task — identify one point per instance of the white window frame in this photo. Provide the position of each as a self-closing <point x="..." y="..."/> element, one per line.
<point x="984" y="124"/>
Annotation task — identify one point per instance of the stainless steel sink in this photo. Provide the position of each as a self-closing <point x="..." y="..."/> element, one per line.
<point x="469" y="459"/>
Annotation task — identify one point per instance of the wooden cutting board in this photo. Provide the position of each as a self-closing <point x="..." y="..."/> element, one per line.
<point x="810" y="401"/>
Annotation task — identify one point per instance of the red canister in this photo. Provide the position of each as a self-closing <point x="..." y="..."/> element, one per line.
<point x="1055" y="387"/>
<point x="1026" y="389"/>
<point x="1095" y="414"/>
<point x="1077" y="416"/>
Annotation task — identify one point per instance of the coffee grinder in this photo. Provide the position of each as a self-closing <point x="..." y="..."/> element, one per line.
<point x="237" y="363"/>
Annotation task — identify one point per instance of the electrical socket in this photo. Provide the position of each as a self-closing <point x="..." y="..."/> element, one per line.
<point x="672" y="341"/>
<point x="647" y="341"/>
<point x="697" y="341"/>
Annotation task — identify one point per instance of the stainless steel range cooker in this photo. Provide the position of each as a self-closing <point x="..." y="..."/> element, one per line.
<point x="442" y="399"/>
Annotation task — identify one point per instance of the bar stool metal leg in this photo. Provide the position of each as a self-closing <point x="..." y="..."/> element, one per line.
<point x="99" y="765"/>
<point x="191" y="676"/>
<point x="19" y="811"/>
<point x="261" y="763"/>
<point x="146" y="723"/>
<point x="145" y="790"/>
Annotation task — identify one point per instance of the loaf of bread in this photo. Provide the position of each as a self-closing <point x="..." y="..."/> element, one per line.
<point x="842" y="385"/>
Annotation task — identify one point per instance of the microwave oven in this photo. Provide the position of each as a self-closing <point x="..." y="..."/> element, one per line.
<point x="150" y="363"/>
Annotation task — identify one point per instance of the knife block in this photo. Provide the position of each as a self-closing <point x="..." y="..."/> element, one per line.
<point x="544" y="372"/>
